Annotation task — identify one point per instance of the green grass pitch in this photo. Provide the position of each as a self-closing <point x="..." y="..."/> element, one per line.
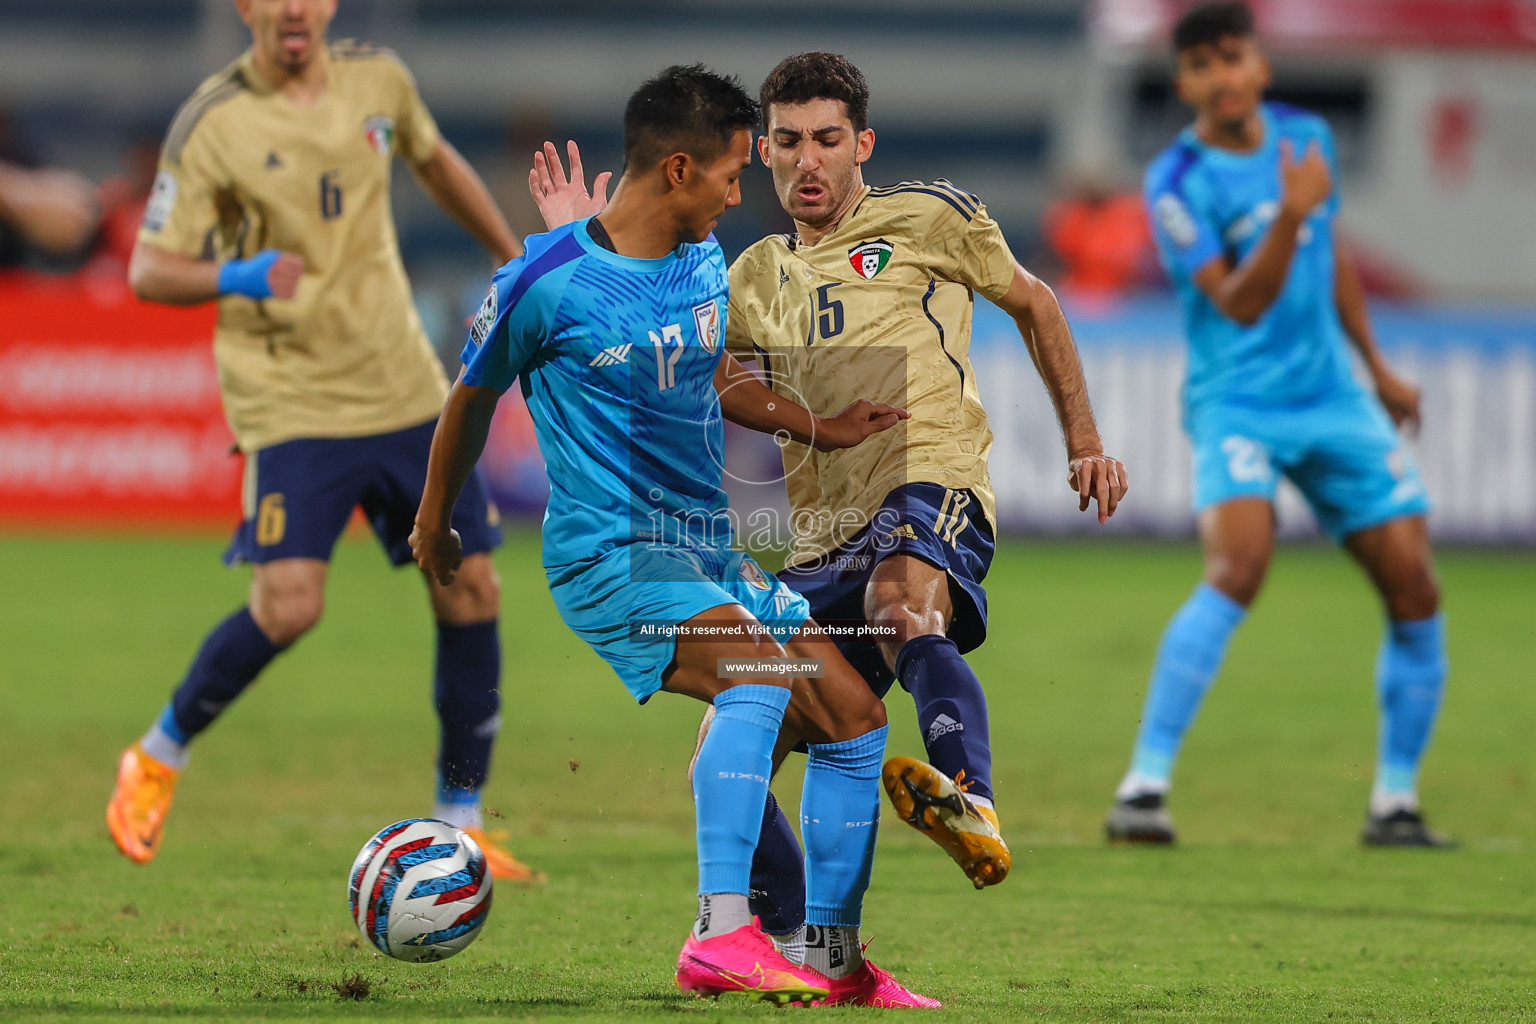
<point x="1268" y="911"/>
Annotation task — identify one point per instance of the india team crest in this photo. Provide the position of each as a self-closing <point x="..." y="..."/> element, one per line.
<point x="380" y="132"/>
<point x="870" y="258"/>
<point x="753" y="575"/>
<point x="706" y="318"/>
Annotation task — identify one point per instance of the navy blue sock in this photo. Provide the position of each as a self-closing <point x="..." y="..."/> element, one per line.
<point x="778" y="874"/>
<point x="951" y="711"/>
<point x="232" y="656"/>
<point x="468" y="707"/>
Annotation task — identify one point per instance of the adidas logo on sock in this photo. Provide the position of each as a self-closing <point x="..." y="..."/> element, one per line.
<point x="942" y="726"/>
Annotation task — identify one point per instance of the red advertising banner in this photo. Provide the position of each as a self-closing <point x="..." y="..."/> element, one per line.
<point x="109" y="410"/>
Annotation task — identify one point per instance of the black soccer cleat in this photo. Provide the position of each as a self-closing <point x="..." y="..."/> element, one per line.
<point x="1403" y="828"/>
<point x="1141" y="819"/>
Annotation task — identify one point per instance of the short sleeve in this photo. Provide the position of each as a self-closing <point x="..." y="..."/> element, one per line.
<point x="508" y="331"/>
<point x="1331" y="154"/>
<point x="738" y="330"/>
<point x="1186" y="233"/>
<point x="967" y="245"/>
<point x="182" y="208"/>
<point x="416" y="130"/>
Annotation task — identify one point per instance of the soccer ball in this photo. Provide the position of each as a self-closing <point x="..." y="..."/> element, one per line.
<point x="419" y="890"/>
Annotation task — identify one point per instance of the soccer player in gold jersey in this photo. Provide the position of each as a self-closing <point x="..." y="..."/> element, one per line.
<point x="873" y="296"/>
<point x="273" y="200"/>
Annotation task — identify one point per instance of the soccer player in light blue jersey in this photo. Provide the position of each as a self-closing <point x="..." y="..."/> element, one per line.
<point x="1244" y="205"/>
<point x="614" y="329"/>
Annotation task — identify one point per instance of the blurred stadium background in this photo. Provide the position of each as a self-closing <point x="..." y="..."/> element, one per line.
<point x="110" y="429"/>
<point x="1047" y="109"/>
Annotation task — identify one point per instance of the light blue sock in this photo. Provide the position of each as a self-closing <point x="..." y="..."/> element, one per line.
<point x="730" y="783"/>
<point x="1187" y="661"/>
<point x="839" y="816"/>
<point x="1410" y="681"/>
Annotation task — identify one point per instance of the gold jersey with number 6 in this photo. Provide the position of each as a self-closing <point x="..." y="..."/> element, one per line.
<point x="879" y="309"/>
<point x="245" y="169"/>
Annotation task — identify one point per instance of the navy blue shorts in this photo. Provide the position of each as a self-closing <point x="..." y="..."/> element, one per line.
<point x="945" y="528"/>
<point x="299" y="495"/>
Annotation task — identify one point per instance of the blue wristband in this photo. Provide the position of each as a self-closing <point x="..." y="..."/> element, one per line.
<point x="248" y="277"/>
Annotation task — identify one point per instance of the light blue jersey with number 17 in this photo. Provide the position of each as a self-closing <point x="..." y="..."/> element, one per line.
<point x="616" y="357"/>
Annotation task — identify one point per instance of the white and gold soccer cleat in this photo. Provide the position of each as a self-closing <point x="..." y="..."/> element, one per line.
<point x="932" y="803"/>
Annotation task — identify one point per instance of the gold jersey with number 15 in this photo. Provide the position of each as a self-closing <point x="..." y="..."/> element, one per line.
<point x="244" y="169"/>
<point x="880" y="309"/>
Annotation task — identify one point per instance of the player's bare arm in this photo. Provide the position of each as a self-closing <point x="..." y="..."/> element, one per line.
<point x="456" y="446"/>
<point x="562" y="199"/>
<point x="1400" y="398"/>
<point x="1094" y="475"/>
<point x="746" y="400"/>
<point x="1244" y="292"/>
<point x="453" y="184"/>
<point x="159" y="275"/>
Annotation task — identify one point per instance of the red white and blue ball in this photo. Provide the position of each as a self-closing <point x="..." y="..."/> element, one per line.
<point x="420" y="890"/>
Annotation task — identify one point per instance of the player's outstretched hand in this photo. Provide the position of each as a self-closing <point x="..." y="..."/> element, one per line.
<point x="438" y="553"/>
<point x="1400" y="398"/>
<point x="1098" y="478"/>
<point x="855" y="423"/>
<point x="1304" y="182"/>
<point x="561" y="199"/>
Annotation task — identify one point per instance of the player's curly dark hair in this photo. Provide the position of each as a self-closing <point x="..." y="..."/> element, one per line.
<point x="1209" y="23"/>
<point x="818" y="75"/>
<point x="686" y="108"/>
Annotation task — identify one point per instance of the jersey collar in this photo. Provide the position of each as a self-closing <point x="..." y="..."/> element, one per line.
<point x="590" y="246"/>
<point x="794" y="242"/>
<point x="1268" y="146"/>
<point x="260" y="86"/>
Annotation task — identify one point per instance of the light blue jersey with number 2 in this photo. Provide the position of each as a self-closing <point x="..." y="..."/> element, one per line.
<point x="1277" y="397"/>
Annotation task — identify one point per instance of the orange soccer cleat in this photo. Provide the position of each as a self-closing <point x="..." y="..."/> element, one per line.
<point x="932" y="803"/>
<point x="136" y="813"/>
<point x="504" y="866"/>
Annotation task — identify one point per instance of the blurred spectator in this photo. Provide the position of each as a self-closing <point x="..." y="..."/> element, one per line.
<point x="1101" y="239"/>
<point x="49" y="210"/>
<point x="122" y="206"/>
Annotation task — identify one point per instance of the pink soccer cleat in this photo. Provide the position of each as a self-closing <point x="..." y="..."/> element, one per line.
<point x="874" y="986"/>
<point x="746" y="961"/>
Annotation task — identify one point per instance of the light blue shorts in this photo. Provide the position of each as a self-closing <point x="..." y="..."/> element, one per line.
<point x="1342" y="452"/>
<point x="623" y="599"/>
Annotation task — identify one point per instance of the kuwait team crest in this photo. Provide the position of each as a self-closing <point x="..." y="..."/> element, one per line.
<point x="380" y="132"/>
<point x="706" y="318"/>
<point x="870" y="258"/>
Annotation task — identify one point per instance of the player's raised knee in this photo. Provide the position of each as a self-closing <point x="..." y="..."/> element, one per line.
<point x="1238" y="574"/>
<point x="1415" y="594"/>
<point x="286" y="616"/>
